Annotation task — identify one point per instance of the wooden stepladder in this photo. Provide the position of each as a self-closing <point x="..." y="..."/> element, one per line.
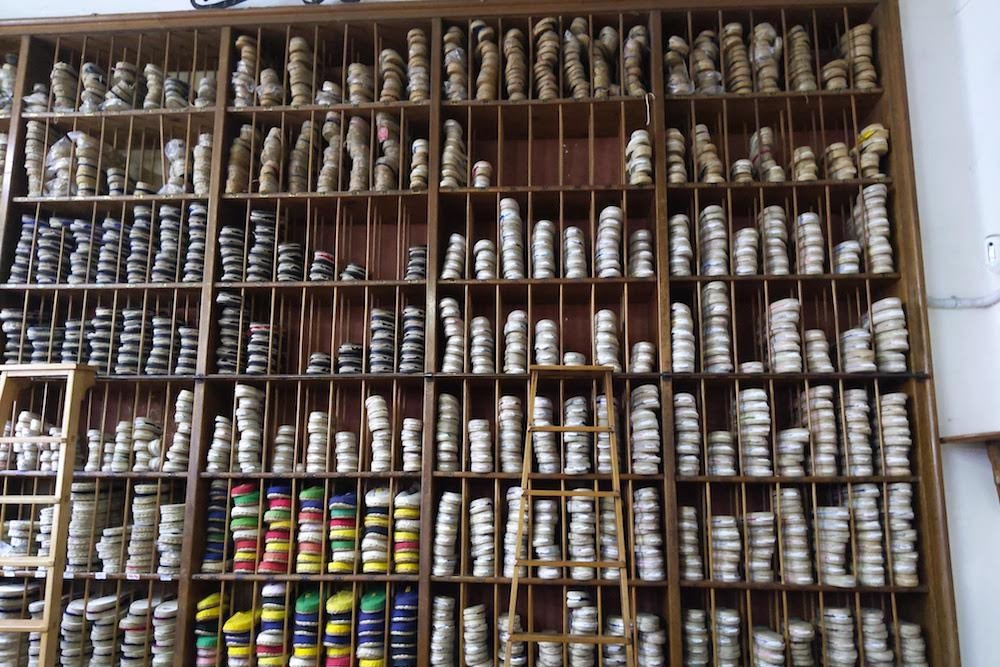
<point x="77" y="379"/>
<point x="594" y="374"/>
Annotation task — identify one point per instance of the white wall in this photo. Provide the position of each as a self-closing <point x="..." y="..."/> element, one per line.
<point x="952" y="57"/>
<point x="950" y="63"/>
<point x="949" y="105"/>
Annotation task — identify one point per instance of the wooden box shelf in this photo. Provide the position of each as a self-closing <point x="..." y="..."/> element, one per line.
<point x="562" y="160"/>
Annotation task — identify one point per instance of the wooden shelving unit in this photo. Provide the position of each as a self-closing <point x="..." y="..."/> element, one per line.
<point x="561" y="160"/>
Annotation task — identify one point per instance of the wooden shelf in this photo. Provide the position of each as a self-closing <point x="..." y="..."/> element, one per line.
<point x="971" y="438"/>
<point x="535" y="581"/>
<point x="851" y="279"/>
<point x="339" y="378"/>
<point x="502" y="191"/>
<point x="148" y="119"/>
<point x="186" y="288"/>
<point x="808" y="479"/>
<point x="798" y="377"/>
<point x="121" y="576"/>
<point x="109" y="199"/>
<point x="395" y="474"/>
<point x="554" y="477"/>
<point x="145" y="379"/>
<point x="307" y="110"/>
<point x="292" y="578"/>
<point x="321" y="285"/>
<point x="814" y="588"/>
<point x="291" y="197"/>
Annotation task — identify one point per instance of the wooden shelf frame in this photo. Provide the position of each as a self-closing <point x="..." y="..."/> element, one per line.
<point x="731" y="116"/>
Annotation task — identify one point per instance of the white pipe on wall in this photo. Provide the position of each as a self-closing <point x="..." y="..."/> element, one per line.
<point x="961" y="303"/>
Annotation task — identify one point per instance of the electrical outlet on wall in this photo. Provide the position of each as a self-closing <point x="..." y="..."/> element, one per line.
<point x="993" y="253"/>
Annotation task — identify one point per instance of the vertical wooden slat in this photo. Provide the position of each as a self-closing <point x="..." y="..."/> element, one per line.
<point x="659" y="103"/>
<point x="15" y="155"/>
<point x="196" y="494"/>
<point x="427" y="482"/>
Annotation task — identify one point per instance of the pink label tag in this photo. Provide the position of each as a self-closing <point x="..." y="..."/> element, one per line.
<point x="383" y="133"/>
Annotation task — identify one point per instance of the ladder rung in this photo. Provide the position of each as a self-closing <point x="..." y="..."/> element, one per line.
<point x="23" y="625"/>
<point x="26" y="561"/>
<point x="32" y="371"/>
<point x="563" y="493"/>
<point x="532" y="562"/>
<point x="547" y="428"/>
<point x="569" y="639"/>
<point x="32" y="439"/>
<point x="28" y="500"/>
